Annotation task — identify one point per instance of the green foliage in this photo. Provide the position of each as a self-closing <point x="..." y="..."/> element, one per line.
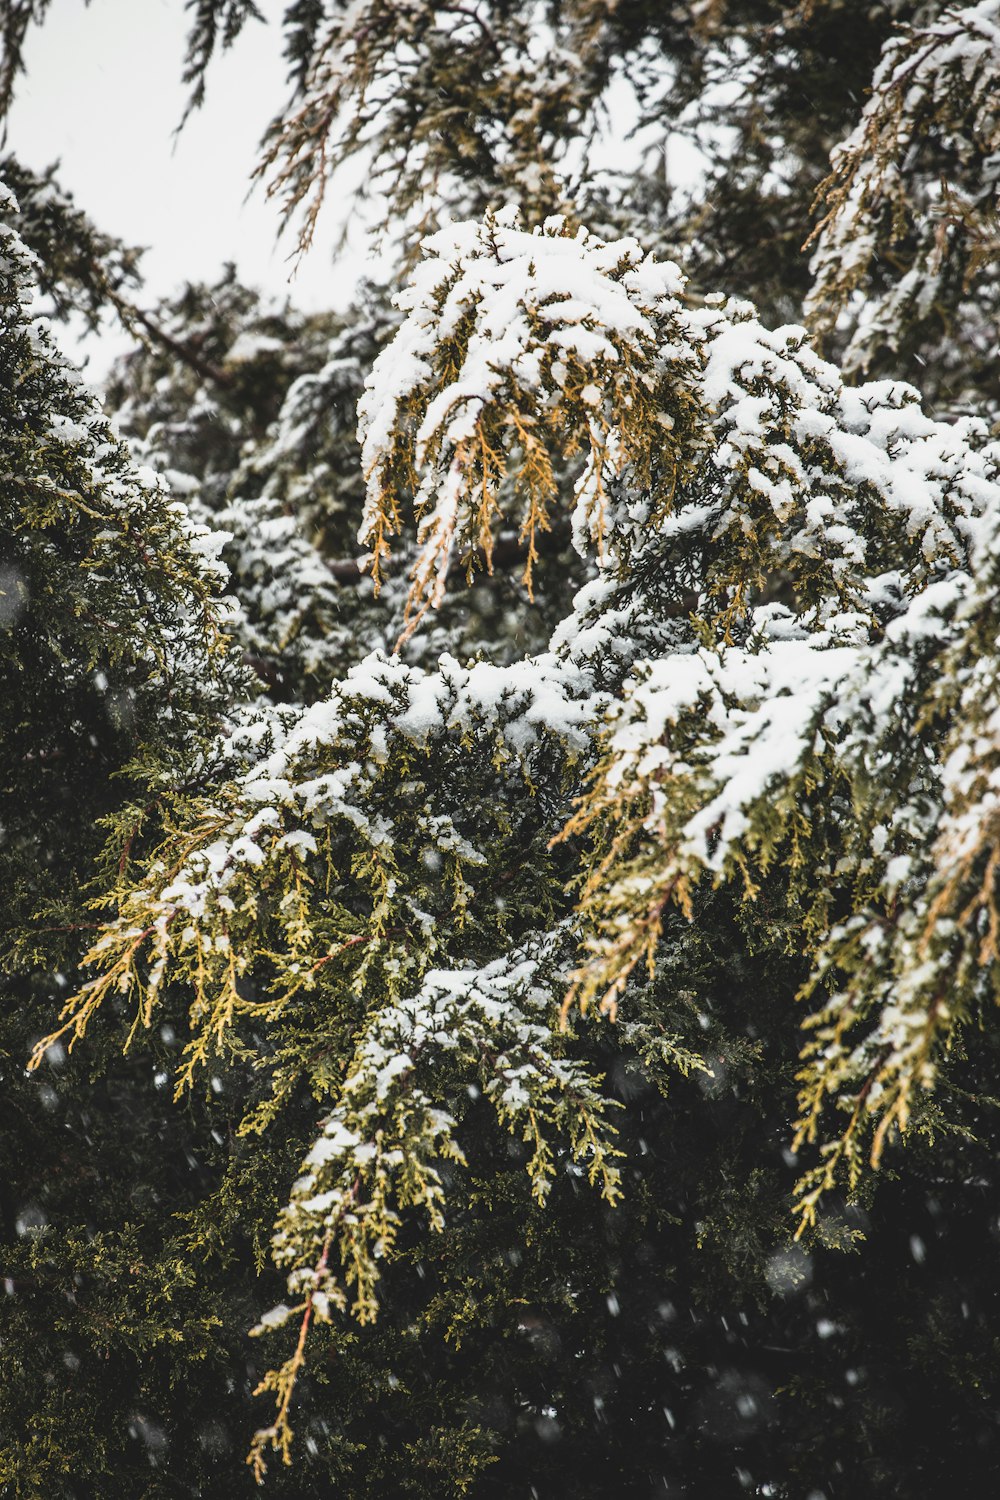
<point x="112" y="647"/>
<point x="16" y="17"/>
<point x="728" y="778"/>
<point x="78" y="267"/>
<point x="911" y="210"/>
<point x="214" y="24"/>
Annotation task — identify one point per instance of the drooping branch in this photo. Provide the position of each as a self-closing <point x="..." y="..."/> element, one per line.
<point x="136" y="318"/>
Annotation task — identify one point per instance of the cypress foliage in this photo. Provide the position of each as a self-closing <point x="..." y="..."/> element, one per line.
<point x="503" y="1005"/>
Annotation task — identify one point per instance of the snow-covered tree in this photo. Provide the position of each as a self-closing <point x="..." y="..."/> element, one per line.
<point x="509" y="956"/>
<point x="780" y="563"/>
<point x="909" y="243"/>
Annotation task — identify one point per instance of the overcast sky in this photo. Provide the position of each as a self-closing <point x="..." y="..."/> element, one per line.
<point x="103" y="95"/>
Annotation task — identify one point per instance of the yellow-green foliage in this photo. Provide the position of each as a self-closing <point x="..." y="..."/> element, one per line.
<point x="372" y="898"/>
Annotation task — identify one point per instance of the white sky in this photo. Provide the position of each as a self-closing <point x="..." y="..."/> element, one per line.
<point x="103" y="95"/>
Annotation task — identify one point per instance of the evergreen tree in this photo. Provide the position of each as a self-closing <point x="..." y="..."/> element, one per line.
<point x="912" y="212"/>
<point x="657" y="693"/>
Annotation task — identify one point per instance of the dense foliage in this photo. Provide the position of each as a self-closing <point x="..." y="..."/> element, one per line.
<point x="521" y="938"/>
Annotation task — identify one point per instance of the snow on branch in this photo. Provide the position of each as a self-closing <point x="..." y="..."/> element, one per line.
<point x="523" y="354"/>
<point x="781" y="676"/>
<point x="912" y="199"/>
<point x="820" y="764"/>
<point x="517" y="351"/>
<point x="380" y="1150"/>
